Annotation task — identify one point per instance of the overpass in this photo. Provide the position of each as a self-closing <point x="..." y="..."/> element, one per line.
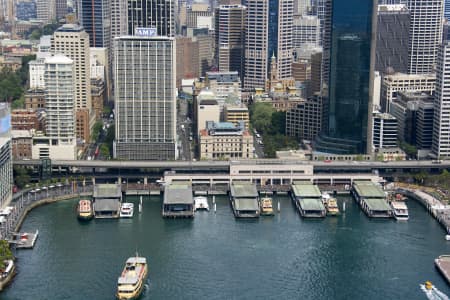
<point x="205" y="165"/>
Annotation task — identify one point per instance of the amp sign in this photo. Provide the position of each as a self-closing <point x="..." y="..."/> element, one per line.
<point x="142" y="31"/>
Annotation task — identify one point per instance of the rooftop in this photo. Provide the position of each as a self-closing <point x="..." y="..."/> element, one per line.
<point x="306" y="190"/>
<point x="107" y="191"/>
<point x="246" y="204"/>
<point x="368" y="189"/>
<point x="244" y="190"/>
<point x="377" y="204"/>
<point x="178" y="194"/>
<point x="312" y="204"/>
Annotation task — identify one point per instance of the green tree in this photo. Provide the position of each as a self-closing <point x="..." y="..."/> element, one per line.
<point x="5" y="253"/>
<point x="104" y="150"/>
<point x="21" y="176"/>
<point x="261" y="116"/>
<point x="96" y="130"/>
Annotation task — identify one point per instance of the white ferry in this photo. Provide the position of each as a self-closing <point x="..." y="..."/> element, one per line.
<point x="127" y="210"/>
<point x="201" y="203"/>
<point x="400" y="210"/>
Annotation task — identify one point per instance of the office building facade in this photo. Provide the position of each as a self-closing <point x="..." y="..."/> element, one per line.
<point x="441" y="127"/>
<point x="157" y="14"/>
<point x="145" y="102"/>
<point x="425" y="34"/>
<point x="348" y="108"/>
<point x="230" y="38"/>
<point x="6" y="165"/>
<point x="95" y="17"/>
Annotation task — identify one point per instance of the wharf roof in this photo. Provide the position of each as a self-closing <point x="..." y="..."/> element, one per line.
<point x="368" y="189"/>
<point x="106" y="205"/>
<point x="246" y="204"/>
<point x="244" y="190"/>
<point x="399" y="205"/>
<point x="178" y="194"/>
<point x="312" y="204"/>
<point x="377" y="204"/>
<point x="306" y="190"/>
<point x="107" y="191"/>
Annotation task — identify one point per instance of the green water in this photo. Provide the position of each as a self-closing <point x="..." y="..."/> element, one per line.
<point x="215" y="256"/>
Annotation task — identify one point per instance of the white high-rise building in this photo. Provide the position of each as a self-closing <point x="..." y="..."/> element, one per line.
<point x="59" y="98"/>
<point x="441" y="127"/>
<point x="305" y="30"/>
<point x="145" y="101"/>
<point x="60" y="141"/>
<point x="425" y="34"/>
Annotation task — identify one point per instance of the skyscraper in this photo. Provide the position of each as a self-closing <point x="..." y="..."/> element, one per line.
<point x="6" y="166"/>
<point x="268" y="33"/>
<point x="45" y="10"/>
<point x="230" y="35"/>
<point x="347" y="109"/>
<point x="95" y="17"/>
<point x="145" y="100"/>
<point x="441" y="134"/>
<point x="447" y="9"/>
<point x="60" y="8"/>
<point x="73" y="41"/>
<point x="425" y="34"/>
<point x="158" y="14"/>
<point x="392" y="38"/>
<point x="59" y="98"/>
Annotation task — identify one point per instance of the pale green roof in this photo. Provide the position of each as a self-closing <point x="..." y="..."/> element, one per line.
<point x="246" y="204"/>
<point x="241" y="190"/>
<point x="107" y="191"/>
<point x="377" y="204"/>
<point x="368" y="189"/>
<point x="306" y="190"/>
<point x="178" y="194"/>
<point x="311" y="204"/>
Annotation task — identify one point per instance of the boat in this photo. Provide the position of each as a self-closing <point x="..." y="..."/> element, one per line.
<point x="7" y="273"/>
<point x="201" y="203"/>
<point x="126" y="210"/>
<point x="132" y="280"/>
<point x="400" y="210"/>
<point x="332" y="207"/>
<point x="432" y="292"/>
<point x="84" y="210"/>
<point x="266" y="206"/>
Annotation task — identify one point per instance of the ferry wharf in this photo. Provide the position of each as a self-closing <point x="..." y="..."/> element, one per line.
<point x="442" y="263"/>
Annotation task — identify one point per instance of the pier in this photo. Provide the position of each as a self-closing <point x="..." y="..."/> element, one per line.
<point x="178" y="201"/>
<point x="443" y="265"/>
<point x="372" y="199"/>
<point x="24" y="240"/>
<point x="308" y="200"/>
<point x="244" y="200"/>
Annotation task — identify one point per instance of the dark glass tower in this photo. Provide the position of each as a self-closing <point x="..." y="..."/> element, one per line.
<point x="158" y="14"/>
<point x="346" y="128"/>
<point x="95" y="18"/>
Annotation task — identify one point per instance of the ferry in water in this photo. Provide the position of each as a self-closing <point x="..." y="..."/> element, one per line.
<point x="201" y="203"/>
<point x="126" y="210"/>
<point x="84" y="210"/>
<point x="132" y="280"/>
<point x="266" y="206"/>
<point x="332" y="207"/>
<point x="400" y="210"/>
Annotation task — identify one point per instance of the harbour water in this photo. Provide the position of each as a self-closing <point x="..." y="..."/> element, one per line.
<point x="215" y="256"/>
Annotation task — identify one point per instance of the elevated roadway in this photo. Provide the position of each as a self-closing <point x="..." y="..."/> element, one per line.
<point x="225" y="165"/>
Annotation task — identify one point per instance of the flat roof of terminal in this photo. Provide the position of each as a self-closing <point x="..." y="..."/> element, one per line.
<point x="368" y="189"/>
<point x="377" y="204"/>
<point x="246" y="204"/>
<point x="241" y="190"/>
<point x="107" y="191"/>
<point x="312" y="204"/>
<point x="306" y="190"/>
<point x="178" y="194"/>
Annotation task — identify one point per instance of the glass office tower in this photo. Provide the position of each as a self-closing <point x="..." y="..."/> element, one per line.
<point x="347" y="108"/>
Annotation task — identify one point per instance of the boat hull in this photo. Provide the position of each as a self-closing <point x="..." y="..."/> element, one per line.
<point x="85" y="217"/>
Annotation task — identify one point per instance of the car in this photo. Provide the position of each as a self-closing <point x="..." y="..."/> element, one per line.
<point x="258" y="135"/>
<point x="327" y="160"/>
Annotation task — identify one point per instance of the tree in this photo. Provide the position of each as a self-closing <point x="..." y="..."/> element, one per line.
<point x="5" y="253"/>
<point x="278" y="122"/>
<point x="261" y="116"/>
<point x="104" y="150"/>
<point x="21" y="176"/>
<point x="96" y="130"/>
